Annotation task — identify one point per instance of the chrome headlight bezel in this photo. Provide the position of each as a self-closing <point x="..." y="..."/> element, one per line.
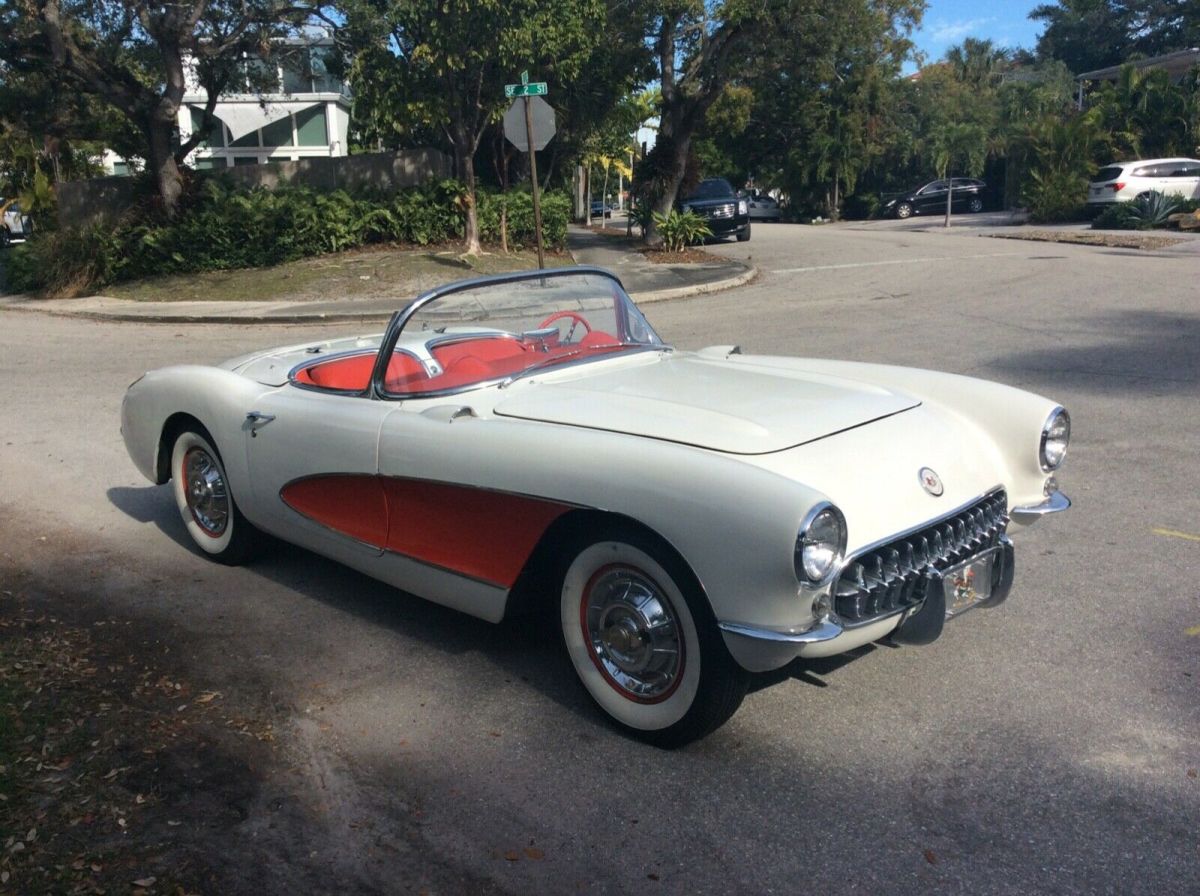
<point x="812" y="570"/>
<point x="1055" y="439"/>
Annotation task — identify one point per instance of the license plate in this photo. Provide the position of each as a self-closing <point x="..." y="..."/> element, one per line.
<point x="969" y="583"/>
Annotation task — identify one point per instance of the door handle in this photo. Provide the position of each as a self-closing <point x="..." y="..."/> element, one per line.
<point x="257" y="420"/>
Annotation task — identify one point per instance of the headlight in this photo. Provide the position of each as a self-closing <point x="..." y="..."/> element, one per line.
<point x="820" y="544"/>
<point x="1056" y="434"/>
<point x="743" y="209"/>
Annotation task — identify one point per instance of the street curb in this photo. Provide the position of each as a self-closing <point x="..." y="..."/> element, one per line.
<point x="679" y="292"/>
<point x="36" y="306"/>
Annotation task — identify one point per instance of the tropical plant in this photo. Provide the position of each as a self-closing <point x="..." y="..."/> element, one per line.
<point x="680" y="229"/>
<point x="1149" y="211"/>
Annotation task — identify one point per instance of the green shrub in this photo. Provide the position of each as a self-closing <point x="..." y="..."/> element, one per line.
<point x="1115" y="217"/>
<point x="861" y="206"/>
<point x="220" y="226"/>
<point x="1055" y="196"/>
<point x="680" y="229"/>
<point x="65" y="262"/>
<point x="556" y="212"/>
<point x="1147" y="212"/>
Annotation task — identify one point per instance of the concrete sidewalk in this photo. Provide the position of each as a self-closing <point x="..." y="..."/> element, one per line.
<point x="645" y="280"/>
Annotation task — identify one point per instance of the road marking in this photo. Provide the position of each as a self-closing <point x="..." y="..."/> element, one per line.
<point x="1193" y="631"/>
<point x="875" y="264"/>
<point x="1172" y="533"/>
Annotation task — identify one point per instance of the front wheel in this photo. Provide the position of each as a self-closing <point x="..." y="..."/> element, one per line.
<point x="904" y="210"/>
<point x="205" y="502"/>
<point x="975" y="205"/>
<point x="744" y="234"/>
<point x="644" y="642"/>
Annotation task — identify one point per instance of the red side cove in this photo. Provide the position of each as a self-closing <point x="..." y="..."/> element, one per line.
<point x="478" y="533"/>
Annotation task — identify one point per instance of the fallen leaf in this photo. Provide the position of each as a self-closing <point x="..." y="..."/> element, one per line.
<point x="652" y="876"/>
<point x="1192" y="773"/>
<point x="931" y="857"/>
<point x="512" y="856"/>
<point x="534" y="853"/>
<point x="145" y="882"/>
<point x="207" y="697"/>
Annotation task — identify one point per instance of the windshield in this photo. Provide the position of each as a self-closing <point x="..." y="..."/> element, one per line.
<point x="503" y="329"/>
<point x="716" y="188"/>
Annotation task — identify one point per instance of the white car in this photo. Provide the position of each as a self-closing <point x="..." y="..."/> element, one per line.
<point x="528" y="442"/>
<point x="1125" y="181"/>
<point x="764" y="207"/>
<point x="13" y="223"/>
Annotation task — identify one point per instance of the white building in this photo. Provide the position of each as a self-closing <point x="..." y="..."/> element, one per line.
<point x="303" y="112"/>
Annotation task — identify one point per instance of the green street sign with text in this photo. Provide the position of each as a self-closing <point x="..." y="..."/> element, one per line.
<point x="537" y="88"/>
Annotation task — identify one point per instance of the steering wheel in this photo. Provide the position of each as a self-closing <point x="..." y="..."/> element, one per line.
<point x="575" y="319"/>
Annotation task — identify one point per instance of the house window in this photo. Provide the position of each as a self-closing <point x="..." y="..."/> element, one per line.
<point x="278" y="133"/>
<point x="250" y="139"/>
<point x="310" y="127"/>
<point x="239" y="161"/>
<point x="120" y="168"/>
<point x="216" y="134"/>
<point x="205" y="164"/>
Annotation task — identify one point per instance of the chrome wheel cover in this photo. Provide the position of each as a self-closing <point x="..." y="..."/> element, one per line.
<point x="205" y="492"/>
<point x="632" y="633"/>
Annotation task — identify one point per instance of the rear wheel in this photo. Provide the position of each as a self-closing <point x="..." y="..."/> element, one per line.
<point x="643" y="640"/>
<point x="975" y="205"/>
<point x="205" y="502"/>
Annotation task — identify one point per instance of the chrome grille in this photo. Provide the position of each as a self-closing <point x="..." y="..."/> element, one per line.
<point x="891" y="577"/>
<point x="721" y="211"/>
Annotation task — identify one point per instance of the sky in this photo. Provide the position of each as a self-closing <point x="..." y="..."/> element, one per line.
<point x="1004" y="22"/>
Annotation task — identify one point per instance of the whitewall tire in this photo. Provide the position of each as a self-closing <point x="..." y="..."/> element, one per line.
<point x="205" y="502"/>
<point x="643" y="641"/>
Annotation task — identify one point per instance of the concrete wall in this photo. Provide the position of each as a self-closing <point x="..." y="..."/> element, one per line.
<point x="85" y="201"/>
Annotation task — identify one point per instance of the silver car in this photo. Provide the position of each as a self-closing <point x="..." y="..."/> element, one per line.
<point x="16" y="225"/>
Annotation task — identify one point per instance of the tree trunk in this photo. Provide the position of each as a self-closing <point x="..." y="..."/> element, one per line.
<point x="472" y="246"/>
<point x="163" y="166"/>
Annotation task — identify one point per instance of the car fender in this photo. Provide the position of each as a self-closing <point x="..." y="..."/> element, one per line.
<point x="217" y="398"/>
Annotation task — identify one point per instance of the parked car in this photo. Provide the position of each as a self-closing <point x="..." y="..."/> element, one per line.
<point x="600" y="208"/>
<point x="763" y="207"/>
<point x="1124" y="181"/>
<point x="718" y="203"/>
<point x="14" y="224"/>
<point x="968" y="195"/>
<point x="528" y="441"/>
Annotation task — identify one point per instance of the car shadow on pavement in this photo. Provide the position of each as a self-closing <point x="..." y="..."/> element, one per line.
<point x="524" y="645"/>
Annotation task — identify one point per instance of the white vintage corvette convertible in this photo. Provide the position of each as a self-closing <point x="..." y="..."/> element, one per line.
<point x="694" y="516"/>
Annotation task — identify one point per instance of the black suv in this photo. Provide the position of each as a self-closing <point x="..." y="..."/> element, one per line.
<point x="716" y="202"/>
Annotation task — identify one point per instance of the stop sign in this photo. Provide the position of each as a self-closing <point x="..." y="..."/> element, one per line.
<point x="543" y="123"/>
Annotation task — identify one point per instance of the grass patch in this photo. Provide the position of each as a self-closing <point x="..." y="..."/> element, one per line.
<point x="375" y="272"/>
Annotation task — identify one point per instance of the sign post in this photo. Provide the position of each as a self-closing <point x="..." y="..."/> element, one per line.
<point x="533" y="142"/>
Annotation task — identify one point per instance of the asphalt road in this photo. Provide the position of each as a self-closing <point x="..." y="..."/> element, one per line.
<point x="1041" y="747"/>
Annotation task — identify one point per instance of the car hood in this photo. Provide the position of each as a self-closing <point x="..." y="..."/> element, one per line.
<point x="739" y="405"/>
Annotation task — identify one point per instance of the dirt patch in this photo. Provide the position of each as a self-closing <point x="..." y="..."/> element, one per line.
<point x="1116" y="241"/>
<point x="117" y="774"/>
<point x="125" y="770"/>
<point x="691" y="255"/>
<point x="371" y="272"/>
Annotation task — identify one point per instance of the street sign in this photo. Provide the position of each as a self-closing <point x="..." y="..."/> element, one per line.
<point x="537" y="88"/>
<point x="542" y="115"/>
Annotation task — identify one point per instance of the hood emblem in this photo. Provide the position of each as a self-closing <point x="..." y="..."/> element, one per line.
<point x="930" y="481"/>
